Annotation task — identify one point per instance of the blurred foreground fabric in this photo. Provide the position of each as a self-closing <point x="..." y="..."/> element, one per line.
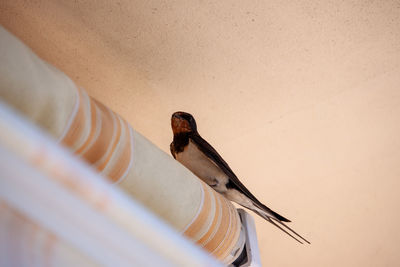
<point x="56" y="211"/>
<point x="65" y="209"/>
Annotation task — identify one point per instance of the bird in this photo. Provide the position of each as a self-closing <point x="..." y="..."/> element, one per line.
<point x="197" y="155"/>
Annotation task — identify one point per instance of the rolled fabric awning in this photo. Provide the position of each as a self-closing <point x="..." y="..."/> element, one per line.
<point x="107" y="142"/>
<point x="79" y="216"/>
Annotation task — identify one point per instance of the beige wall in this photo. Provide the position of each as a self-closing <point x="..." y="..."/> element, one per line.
<point x="302" y="99"/>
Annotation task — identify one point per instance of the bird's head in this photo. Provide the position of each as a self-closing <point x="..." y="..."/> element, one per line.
<point x="182" y="122"/>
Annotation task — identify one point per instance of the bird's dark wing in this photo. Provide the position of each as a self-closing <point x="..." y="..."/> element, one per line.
<point x="211" y="153"/>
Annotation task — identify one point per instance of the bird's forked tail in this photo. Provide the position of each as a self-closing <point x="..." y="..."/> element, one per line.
<point x="278" y="220"/>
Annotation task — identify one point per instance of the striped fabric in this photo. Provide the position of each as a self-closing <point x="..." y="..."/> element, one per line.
<point x="56" y="211"/>
<point x="48" y="98"/>
<point x="217" y="226"/>
<point x="105" y="140"/>
<point x="99" y="136"/>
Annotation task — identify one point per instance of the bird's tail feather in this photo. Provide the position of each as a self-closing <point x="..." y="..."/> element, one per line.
<point x="276" y="222"/>
<point x="276" y="215"/>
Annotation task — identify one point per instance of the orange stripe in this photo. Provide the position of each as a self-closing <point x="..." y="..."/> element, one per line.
<point x="232" y="236"/>
<point x="115" y="141"/>
<point x="124" y="158"/>
<point x="99" y="147"/>
<point x="213" y="228"/>
<point x="76" y="128"/>
<point x="195" y="227"/>
<point x="93" y="127"/>
<point x="100" y="143"/>
<point x="223" y="227"/>
<point x="223" y="250"/>
<point x="224" y="235"/>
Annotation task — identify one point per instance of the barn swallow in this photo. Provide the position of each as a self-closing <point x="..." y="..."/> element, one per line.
<point x="196" y="154"/>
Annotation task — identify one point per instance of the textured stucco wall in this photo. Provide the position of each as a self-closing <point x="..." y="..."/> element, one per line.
<point x="301" y="98"/>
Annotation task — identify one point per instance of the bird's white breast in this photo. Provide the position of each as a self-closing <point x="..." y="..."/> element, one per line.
<point x="203" y="167"/>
